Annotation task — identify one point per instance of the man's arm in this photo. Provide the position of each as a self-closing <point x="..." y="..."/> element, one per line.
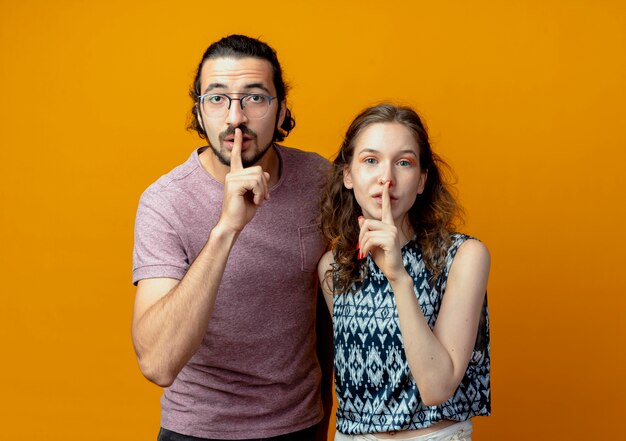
<point x="170" y="318"/>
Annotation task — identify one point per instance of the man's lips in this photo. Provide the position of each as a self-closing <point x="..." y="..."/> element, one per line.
<point x="229" y="142"/>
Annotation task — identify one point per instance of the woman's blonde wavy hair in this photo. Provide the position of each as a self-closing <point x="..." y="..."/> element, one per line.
<point x="434" y="215"/>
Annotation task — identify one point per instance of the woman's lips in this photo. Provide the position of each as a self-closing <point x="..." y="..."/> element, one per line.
<point x="378" y="197"/>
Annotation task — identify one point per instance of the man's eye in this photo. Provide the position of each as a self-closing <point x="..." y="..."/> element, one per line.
<point x="216" y="99"/>
<point x="256" y="99"/>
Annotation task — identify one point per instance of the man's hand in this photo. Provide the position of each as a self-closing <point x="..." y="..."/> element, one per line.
<point x="245" y="189"/>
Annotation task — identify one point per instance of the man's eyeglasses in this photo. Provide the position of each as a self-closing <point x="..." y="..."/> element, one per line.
<point x="253" y="105"/>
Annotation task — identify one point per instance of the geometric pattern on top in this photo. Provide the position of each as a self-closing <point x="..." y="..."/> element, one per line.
<point x="374" y="388"/>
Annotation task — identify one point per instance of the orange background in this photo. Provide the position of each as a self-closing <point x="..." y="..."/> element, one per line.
<point x="525" y="99"/>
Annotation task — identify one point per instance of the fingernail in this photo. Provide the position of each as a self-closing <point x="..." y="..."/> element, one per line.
<point x="390" y="183"/>
<point x="358" y="245"/>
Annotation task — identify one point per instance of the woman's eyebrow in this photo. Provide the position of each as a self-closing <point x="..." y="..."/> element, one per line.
<point x="401" y="152"/>
<point x="369" y="150"/>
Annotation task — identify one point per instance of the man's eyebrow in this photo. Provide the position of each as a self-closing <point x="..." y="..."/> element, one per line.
<point x="247" y="87"/>
<point x="257" y="86"/>
<point x="212" y="86"/>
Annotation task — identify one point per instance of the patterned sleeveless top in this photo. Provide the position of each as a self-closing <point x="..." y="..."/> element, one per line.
<point x="375" y="390"/>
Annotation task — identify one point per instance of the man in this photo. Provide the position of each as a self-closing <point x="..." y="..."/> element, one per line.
<point x="226" y="247"/>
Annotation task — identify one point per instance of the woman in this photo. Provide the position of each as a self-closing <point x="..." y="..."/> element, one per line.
<point x="407" y="293"/>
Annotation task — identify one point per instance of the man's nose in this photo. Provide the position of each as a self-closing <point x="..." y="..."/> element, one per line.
<point x="236" y="117"/>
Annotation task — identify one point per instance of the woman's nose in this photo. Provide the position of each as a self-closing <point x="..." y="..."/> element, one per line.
<point x="385" y="176"/>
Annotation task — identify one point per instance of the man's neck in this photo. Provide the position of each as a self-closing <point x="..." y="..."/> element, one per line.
<point x="270" y="163"/>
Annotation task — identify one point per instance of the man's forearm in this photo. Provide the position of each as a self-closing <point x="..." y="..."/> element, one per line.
<point x="170" y="331"/>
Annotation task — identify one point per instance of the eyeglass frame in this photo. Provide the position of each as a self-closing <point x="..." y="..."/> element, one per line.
<point x="240" y="99"/>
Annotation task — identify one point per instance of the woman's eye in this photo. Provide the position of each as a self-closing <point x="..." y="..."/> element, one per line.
<point x="404" y="163"/>
<point x="370" y="161"/>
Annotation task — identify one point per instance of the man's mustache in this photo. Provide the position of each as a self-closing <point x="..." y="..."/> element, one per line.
<point x="231" y="131"/>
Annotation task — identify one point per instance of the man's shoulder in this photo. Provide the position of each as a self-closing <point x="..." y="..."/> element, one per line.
<point x="303" y="163"/>
<point x="176" y="177"/>
<point x="300" y="154"/>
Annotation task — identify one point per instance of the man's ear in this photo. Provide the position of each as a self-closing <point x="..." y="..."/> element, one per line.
<point x="347" y="177"/>
<point x="199" y="118"/>
<point x="282" y="114"/>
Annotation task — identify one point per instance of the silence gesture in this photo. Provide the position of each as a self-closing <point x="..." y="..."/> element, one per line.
<point x="245" y="189"/>
<point x="380" y="238"/>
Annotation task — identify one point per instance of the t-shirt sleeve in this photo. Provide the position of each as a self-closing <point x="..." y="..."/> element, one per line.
<point x="159" y="250"/>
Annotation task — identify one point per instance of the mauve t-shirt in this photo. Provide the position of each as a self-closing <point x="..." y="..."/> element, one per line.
<point x="256" y="372"/>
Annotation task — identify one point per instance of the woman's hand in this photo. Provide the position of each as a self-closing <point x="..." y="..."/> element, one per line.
<point x="380" y="238"/>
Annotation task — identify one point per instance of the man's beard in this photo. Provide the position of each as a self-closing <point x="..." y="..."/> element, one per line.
<point x="220" y="152"/>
